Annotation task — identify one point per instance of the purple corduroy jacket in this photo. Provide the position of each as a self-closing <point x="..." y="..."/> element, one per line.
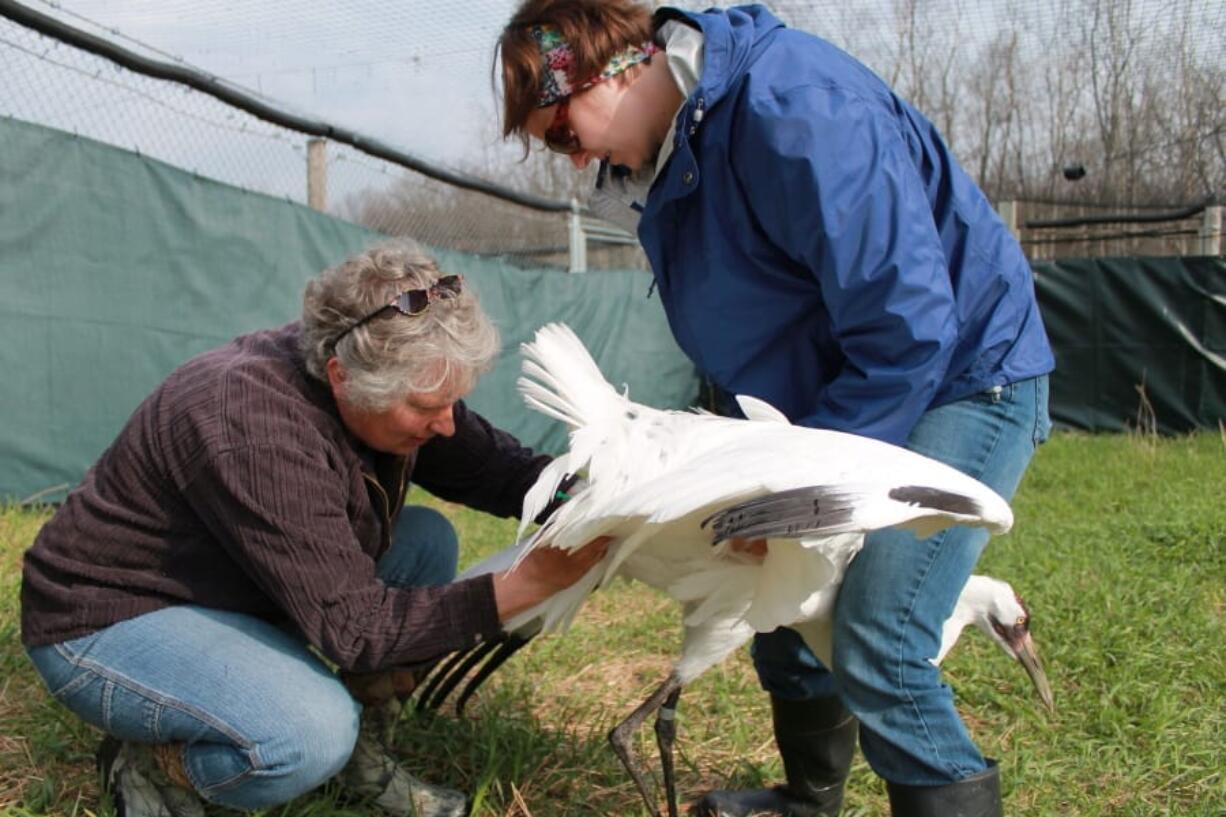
<point x="236" y="486"/>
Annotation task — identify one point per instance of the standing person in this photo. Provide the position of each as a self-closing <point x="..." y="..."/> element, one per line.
<point x="816" y="245"/>
<point x="250" y="516"/>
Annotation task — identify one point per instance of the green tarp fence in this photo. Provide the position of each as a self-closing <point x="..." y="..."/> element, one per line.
<point x="115" y="268"/>
<point x="1140" y="343"/>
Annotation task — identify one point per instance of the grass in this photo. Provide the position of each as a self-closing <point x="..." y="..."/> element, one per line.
<point x="1119" y="549"/>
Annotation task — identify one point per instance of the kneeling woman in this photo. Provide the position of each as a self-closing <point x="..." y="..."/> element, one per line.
<point x="249" y="518"/>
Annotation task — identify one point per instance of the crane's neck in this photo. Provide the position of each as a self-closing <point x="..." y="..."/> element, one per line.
<point x="971" y="608"/>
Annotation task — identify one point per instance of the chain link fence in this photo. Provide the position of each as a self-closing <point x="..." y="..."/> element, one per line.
<point x="54" y="84"/>
<point x="1021" y="90"/>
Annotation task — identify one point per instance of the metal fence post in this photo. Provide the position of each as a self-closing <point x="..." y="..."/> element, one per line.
<point x="317" y="174"/>
<point x="578" y="239"/>
<point x="1211" y="230"/>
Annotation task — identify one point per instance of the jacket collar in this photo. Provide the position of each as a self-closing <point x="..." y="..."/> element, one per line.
<point x="732" y="38"/>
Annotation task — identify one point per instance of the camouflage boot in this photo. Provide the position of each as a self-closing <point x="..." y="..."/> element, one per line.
<point x="146" y="780"/>
<point x="373" y="774"/>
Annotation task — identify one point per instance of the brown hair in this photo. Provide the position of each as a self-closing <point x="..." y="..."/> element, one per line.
<point x="595" y="29"/>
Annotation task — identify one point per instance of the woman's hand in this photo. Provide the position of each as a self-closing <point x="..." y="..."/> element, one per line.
<point x="544" y="572"/>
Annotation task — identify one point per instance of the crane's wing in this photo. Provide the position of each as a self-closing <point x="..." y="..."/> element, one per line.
<point x="758" y="494"/>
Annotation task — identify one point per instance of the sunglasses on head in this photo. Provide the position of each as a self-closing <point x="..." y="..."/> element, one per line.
<point x="413" y="302"/>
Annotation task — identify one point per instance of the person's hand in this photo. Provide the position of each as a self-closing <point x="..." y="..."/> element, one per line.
<point x="544" y="572"/>
<point x="553" y="569"/>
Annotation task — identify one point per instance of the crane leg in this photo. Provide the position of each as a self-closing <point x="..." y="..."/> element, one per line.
<point x="666" y="737"/>
<point x="458" y="674"/>
<point x="439" y="675"/>
<point x="505" y="650"/>
<point x="622" y="735"/>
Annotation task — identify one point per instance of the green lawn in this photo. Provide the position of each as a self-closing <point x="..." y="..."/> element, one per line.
<point x="1119" y="549"/>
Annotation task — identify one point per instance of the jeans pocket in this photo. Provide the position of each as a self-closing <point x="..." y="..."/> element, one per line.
<point x="82" y="690"/>
<point x="58" y="665"/>
<point x="92" y="693"/>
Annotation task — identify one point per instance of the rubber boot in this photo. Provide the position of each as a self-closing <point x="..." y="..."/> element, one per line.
<point x="974" y="796"/>
<point x="816" y="740"/>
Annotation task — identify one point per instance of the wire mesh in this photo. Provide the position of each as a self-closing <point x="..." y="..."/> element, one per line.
<point x="56" y="85"/>
<point x="1133" y="92"/>
<point x="50" y="83"/>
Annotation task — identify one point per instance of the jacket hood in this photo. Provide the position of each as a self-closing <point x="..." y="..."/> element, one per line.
<point x="732" y="39"/>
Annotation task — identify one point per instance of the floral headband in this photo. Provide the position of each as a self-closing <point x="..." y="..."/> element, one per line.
<point x="559" y="60"/>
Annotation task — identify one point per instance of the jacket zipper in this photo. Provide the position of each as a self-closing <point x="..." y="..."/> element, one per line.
<point x="386" y="540"/>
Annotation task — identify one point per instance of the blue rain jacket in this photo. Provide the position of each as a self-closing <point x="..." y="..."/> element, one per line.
<point x="816" y="245"/>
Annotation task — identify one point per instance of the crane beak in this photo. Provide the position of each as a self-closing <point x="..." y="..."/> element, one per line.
<point x="1028" y="656"/>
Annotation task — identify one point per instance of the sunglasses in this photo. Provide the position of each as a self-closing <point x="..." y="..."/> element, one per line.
<point x="558" y="136"/>
<point x="413" y="302"/>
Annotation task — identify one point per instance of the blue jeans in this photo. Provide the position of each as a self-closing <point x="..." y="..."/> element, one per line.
<point x="263" y="718"/>
<point x="897" y="593"/>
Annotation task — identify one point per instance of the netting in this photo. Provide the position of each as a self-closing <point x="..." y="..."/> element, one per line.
<point x="1132" y="92"/>
<point x="54" y="84"/>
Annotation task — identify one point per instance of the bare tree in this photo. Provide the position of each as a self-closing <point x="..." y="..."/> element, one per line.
<point x="451" y="218"/>
<point x="924" y="60"/>
<point x="994" y="111"/>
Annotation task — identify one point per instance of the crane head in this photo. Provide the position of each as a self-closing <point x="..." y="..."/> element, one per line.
<point x="994" y="608"/>
<point x="1005" y="618"/>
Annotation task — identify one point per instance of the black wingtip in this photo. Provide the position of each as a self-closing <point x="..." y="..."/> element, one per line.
<point x="937" y="499"/>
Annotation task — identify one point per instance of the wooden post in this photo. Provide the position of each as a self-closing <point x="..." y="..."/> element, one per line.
<point x="1211" y="230"/>
<point x="1008" y="214"/>
<point x="317" y="174"/>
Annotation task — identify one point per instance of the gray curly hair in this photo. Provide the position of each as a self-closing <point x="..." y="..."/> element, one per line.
<point x="447" y="347"/>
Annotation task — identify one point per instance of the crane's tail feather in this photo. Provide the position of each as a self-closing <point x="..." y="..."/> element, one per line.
<point x="826" y="510"/>
<point x="561" y="379"/>
<point x="539" y="398"/>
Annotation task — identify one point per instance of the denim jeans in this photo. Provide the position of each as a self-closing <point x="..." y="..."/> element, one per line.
<point x="263" y="718"/>
<point x="897" y="593"/>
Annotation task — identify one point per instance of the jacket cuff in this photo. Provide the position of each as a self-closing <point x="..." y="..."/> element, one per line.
<point x="475" y="609"/>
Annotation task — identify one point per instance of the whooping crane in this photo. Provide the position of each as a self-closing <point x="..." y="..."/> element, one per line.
<point x="678" y="491"/>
